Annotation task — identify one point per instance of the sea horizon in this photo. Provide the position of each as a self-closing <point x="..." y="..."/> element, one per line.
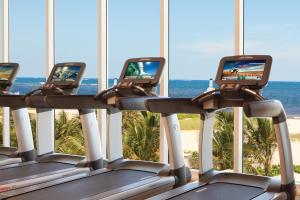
<point x="284" y="91"/>
<point x="85" y="78"/>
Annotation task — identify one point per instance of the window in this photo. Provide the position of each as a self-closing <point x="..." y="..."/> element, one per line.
<point x="273" y="28"/>
<point x="27" y="43"/>
<point x="201" y="33"/>
<point x="133" y="28"/>
<point x="28" y="48"/>
<point x="76" y="36"/>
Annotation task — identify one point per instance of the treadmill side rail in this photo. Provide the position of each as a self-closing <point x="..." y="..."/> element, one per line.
<point x="78" y="174"/>
<point x="141" y="188"/>
<point x="177" y="191"/>
<point x="37" y="179"/>
<point x="271" y="196"/>
<point x="10" y="161"/>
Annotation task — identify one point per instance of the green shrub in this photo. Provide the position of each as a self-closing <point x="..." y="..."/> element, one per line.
<point x="141" y="136"/>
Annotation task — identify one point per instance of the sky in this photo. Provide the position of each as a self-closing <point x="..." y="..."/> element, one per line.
<point x="201" y="32"/>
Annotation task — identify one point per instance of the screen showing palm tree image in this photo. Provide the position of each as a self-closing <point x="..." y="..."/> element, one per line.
<point x="66" y="74"/>
<point x="243" y="70"/>
<point x="6" y="72"/>
<point x="141" y="70"/>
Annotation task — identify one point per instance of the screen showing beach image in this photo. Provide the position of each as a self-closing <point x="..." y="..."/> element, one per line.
<point x="141" y="70"/>
<point x="66" y="74"/>
<point x="6" y="72"/>
<point x="243" y="70"/>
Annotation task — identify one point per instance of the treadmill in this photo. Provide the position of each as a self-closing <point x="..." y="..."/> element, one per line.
<point x="123" y="179"/>
<point x="240" y="80"/>
<point x="63" y="80"/>
<point x="25" y="151"/>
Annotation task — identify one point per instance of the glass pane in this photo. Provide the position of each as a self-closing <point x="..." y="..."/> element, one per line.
<point x="199" y="38"/>
<point x="267" y="32"/>
<point x="76" y="40"/>
<point x="28" y="48"/>
<point x="133" y="29"/>
<point x="27" y="43"/>
<point x="132" y="32"/>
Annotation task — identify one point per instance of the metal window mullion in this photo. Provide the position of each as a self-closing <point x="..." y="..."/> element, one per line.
<point x="5" y="58"/>
<point x="45" y="117"/>
<point x="102" y="68"/>
<point x="164" y="83"/>
<point x="238" y="111"/>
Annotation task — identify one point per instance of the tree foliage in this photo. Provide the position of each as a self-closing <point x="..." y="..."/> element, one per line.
<point x="259" y="144"/>
<point x="222" y="140"/>
<point x="141" y="136"/>
<point x="68" y="135"/>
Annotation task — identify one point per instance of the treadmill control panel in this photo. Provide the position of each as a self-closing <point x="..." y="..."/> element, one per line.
<point x="240" y="79"/>
<point x="66" y="77"/>
<point x="8" y="73"/>
<point x="145" y="72"/>
<point x="244" y="71"/>
<point x="139" y="77"/>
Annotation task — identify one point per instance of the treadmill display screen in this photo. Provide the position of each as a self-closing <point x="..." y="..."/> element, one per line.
<point x="6" y="72"/>
<point x="141" y="70"/>
<point x="67" y="74"/>
<point x="243" y="70"/>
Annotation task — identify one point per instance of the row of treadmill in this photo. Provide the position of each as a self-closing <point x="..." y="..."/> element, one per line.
<point x="27" y="174"/>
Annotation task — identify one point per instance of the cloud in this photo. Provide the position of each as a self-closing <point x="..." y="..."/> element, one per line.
<point x="276" y="48"/>
<point x="207" y="47"/>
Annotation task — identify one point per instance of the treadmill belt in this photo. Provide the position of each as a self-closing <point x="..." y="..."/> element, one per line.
<point x="31" y="169"/>
<point x="222" y="191"/>
<point x="89" y="186"/>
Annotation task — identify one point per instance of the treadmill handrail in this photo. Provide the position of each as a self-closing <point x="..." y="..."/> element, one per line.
<point x="267" y="108"/>
<point x="75" y="102"/>
<point x="275" y="110"/>
<point x="169" y="105"/>
<point x="134" y="103"/>
<point x="12" y="101"/>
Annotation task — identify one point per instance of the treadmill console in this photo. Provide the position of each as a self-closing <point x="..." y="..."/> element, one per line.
<point x="66" y="76"/>
<point x="8" y="73"/>
<point x="139" y="77"/>
<point x="240" y="79"/>
<point x="145" y="72"/>
<point x="64" y="79"/>
<point x="244" y="71"/>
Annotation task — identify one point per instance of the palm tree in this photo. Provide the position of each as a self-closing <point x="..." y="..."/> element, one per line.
<point x="223" y="141"/>
<point x="68" y="135"/>
<point x="261" y="142"/>
<point x="141" y="137"/>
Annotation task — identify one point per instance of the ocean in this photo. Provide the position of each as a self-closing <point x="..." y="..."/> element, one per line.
<point x="287" y="92"/>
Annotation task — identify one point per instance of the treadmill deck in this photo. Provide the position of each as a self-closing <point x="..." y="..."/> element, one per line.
<point x="88" y="186"/>
<point x="222" y="191"/>
<point x="30" y="170"/>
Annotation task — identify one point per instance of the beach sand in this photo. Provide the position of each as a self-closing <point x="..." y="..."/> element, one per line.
<point x="294" y="125"/>
<point x="190" y="140"/>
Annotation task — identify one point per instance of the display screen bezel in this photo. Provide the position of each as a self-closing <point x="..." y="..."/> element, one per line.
<point x="259" y="83"/>
<point x="153" y="81"/>
<point x="13" y="74"/>
<point x="75" y="83"/>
